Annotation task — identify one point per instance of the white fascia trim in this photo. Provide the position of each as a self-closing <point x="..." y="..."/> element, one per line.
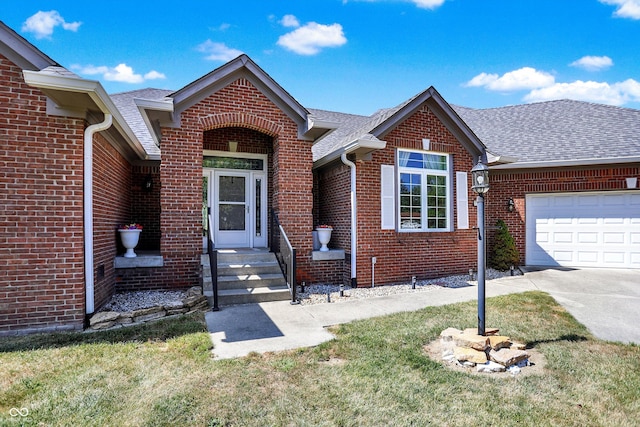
<point x="98" y="95"/>
<point x="165" y="105"/>
<point x="499" y="160"/>
<point x="567" y="163"/>
<point x="326" y="125"/>
<point x="372" y="144"/>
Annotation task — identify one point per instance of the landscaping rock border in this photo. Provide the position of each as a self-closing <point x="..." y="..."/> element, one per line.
<point x="193" y="301"/>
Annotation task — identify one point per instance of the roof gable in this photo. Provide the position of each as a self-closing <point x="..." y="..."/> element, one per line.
<point x="355" y="131"/>
<point x="244" y="68"/>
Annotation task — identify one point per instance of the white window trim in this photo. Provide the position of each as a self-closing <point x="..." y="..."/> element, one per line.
<point x="449" y="193"/>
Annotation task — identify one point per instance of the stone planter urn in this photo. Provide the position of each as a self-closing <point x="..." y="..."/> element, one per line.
<point x="129" y="237"/>
<point x="324" y="236"/>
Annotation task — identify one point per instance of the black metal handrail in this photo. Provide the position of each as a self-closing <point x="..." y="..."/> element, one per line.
<point x="285" y="254"/>
<point x="213" y="260"/>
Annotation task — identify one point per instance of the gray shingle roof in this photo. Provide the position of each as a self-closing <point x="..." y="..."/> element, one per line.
<point x="347" y="124"/>
<point x="561" y="130"/>
<point x="351" y="127"/>
<point x="125" y="103"/>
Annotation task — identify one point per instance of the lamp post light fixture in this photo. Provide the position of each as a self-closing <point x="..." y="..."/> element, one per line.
<point x="480" y="177"/>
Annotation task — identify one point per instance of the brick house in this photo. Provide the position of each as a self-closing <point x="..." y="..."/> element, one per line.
<point x="569" y="170"/>
<point x="76" y="162"/>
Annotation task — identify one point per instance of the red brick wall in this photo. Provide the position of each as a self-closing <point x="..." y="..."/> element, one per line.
<point x="333" y="206"/>
<point x="181" y="175"/>
<point x="112" y="202"/>
<point x="399" y="255"/>
<point x="517" y="184"/>
<point x="145" y="206"/>
<point x="41" y="224"/>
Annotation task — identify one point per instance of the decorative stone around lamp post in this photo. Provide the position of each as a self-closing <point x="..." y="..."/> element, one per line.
<point x="480" y="177"/>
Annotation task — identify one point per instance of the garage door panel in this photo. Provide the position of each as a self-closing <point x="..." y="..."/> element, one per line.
<point x="587" y="257"/>
<point x="587" y="237"/>
<point x="562" y="237"/>
<point x="598" y="229"/>
<point x="592" y="221"/>
<point x="613" y="237"/>
<point x="615" y="221"/>
<point x="614" y="258"/>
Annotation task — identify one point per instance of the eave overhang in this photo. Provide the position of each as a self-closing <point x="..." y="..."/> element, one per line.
<point x="567" y="163"/>
<point x="359" y="147"/>
<point x="80" y="97"/>
<point x="154" y="113"/>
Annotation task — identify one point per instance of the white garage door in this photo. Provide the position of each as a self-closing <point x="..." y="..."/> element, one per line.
<point x="600" y="229"/>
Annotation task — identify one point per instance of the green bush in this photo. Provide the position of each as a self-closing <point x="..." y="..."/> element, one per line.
<point x="504" y="253"/>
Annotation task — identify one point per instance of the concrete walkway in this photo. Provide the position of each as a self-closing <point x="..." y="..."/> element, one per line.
<point x="273" y="326"/>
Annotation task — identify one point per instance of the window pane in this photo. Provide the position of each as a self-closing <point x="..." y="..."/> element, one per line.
<point x="232" y="163"/>
<point x="205" y="205"/>
<point x="437" y="202"/>
<point x="231" y="217"/>
<point x="410" y="201"/>
<point x="232" y="189"/>
<point x="411" y="159"/>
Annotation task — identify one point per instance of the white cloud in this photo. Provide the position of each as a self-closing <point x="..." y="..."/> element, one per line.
<point x="601" y="92"/>
<point x="42" y="24"/>
<point x="290" y="21"/>
<point x="312" y="37"/>
<point x="121" y="73"/>
<point x="523" y="78"/>
<point x="428" y="4"/>
<point x="593" y="63"/>
<point x="625" y="8"/>
<point x="218" y="51"/>
<point x="154" y="75"/>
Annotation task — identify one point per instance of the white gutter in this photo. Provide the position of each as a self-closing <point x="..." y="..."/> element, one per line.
<point x="362" y="144"/>
<point x="354" y="211"/>
<point x="47" y="81"/>
<point x="88" y="209"/>
<point x="568" y="163"/>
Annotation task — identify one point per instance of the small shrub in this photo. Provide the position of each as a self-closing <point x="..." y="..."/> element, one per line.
<point x="504" y="253"/>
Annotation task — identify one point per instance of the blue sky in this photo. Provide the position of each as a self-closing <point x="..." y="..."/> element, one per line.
<point x="354" y="56"/>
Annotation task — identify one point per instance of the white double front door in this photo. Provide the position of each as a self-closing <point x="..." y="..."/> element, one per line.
<point x="237" y="202"/>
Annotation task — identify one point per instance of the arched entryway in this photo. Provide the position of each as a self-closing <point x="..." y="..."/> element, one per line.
<point x="236" y="186"/>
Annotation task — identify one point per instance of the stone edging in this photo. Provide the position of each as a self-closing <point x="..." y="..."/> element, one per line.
<point x="194" y="301"/>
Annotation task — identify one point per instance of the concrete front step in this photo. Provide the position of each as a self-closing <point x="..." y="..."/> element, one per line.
<point x="251" y="295"/>
<point x="245" y="276"/>
<point x="250" y="281"/>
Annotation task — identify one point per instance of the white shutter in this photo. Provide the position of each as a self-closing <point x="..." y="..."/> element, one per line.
<point x="387" y="197"/>
<point x="462" y="200"/>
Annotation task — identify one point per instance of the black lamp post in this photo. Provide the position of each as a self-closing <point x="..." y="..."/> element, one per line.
<point x="480" y="177"/>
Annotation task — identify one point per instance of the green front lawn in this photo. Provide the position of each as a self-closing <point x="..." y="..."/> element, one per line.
<point x="375" y="373"/>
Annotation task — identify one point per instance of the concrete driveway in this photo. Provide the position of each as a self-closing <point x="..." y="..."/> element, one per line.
<point x="606" y="301"/>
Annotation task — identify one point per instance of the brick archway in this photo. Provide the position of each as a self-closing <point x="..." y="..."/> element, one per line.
<point x="245" y="120"/>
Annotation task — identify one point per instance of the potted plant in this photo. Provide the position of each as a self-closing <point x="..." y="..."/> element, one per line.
<point x="129" y="235"/>
<point x="324" y="236"/>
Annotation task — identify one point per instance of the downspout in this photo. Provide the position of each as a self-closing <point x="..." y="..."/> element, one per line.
<point x="354" y="211"/>
<point x="88" y="209"/>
